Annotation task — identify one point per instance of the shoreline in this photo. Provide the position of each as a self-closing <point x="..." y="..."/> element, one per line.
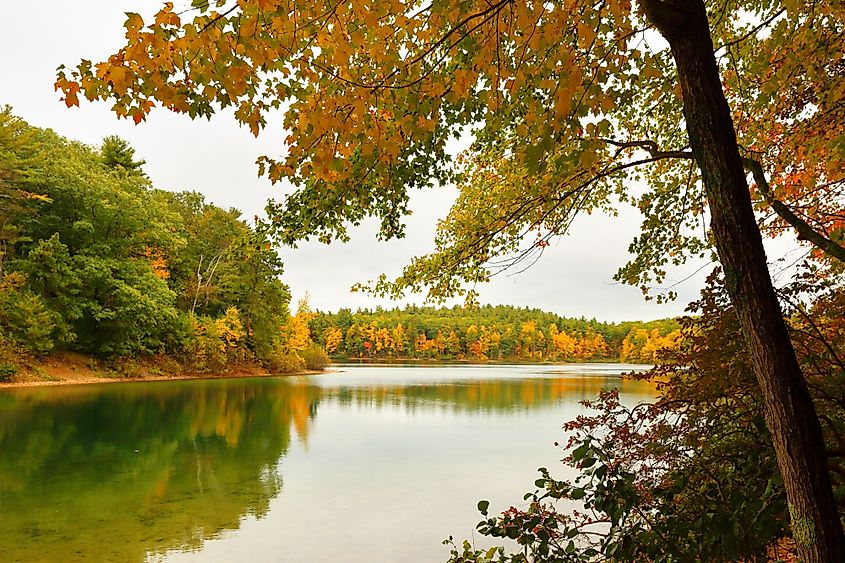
<point x="94" y="380"/>
<point x="470" y="362"/>
<point x="68" y="368"/>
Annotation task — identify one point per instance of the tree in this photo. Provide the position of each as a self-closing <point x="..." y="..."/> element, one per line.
<point x="334" y="339"/>
<point x="567" y="101"/>
<point x="87" y="253"/>
<point x="16" y="148"/>
<point x="118" y="154"/>
<point x="298" y="332"/>
<point x="790" y="412"/>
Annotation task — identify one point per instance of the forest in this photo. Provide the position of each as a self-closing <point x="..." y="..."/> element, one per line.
<point x="96" y="260"/>
<point x="481" y="333"/>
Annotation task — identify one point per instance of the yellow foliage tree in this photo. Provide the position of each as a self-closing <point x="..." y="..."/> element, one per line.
<point x="398" y="340"/>
<point x="297" y="331"/>
<point x="564" y="345"/>
<point x="334" y="337"/>
<point x="230" y="328"/>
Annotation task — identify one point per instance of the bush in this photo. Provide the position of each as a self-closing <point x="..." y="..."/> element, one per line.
<point x="216" y="344"/>
<point x="10" y="356"/>
<point x="206" y="347"/>
<point x="25" y="318"/>
<point x="7" y="371"/>
<point x="285" y="364"/>
<point x="315" y="357"/>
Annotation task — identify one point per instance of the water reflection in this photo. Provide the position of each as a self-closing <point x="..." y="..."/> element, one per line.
<point x="131" y="472"/>
<point x="491" y="395"/>
<point x="112" y="473"/>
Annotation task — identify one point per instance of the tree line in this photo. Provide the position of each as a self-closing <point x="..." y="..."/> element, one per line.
<point x="480" y="333"/>
<point x="95" y="259"/>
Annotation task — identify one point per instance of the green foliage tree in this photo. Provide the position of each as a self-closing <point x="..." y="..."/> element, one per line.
<point x="17" y="201"/>
<point x="25" y="318"/>
<point x="118" y="154"/>
<point x="86" y="250"/>
<point x="102" y="263"/>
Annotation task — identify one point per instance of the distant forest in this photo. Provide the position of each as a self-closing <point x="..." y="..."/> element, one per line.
<point x="498" y="333"/>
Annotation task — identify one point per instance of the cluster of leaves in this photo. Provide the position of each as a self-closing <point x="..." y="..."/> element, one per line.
<point x="795" y="128"/>
<point x="487" y="332"/>
<point x="693" y="476"/>
<point x="102" y="263"/>
<point x="642" y="345"/>
<point x="573" y="106"/>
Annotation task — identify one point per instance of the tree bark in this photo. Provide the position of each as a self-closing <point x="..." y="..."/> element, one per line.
<point x="790" y="412"/>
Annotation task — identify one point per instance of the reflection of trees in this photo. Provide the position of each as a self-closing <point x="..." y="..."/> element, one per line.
<point x="121" y="472"/>
<point x="114" y="474"/>
<point x="499" y="395"/>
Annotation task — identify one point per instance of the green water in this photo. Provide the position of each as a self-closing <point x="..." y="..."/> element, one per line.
<point x="362" y="464"/>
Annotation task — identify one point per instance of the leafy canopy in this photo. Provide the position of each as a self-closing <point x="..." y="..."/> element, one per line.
<point x="568" y="102"/>
<point x="93" y="259"/>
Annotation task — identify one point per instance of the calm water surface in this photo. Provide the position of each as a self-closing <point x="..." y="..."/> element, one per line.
<point x="361" y="464"/>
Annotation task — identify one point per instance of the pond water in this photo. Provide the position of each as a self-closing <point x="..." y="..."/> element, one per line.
<point x="375" y="463"/>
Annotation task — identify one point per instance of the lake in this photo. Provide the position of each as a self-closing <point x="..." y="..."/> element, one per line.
<point x="364" y="463"/>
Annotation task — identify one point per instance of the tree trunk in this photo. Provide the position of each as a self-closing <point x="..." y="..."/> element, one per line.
<point x="790" y="413"/>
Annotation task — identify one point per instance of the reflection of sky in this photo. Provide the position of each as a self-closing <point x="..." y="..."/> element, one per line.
<point x="388" y="483"/>
<point x="369" y="375"/>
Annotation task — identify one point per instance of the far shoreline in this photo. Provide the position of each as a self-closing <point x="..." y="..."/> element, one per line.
<point x="77" y="369"/>
<point x="473" y="362"/>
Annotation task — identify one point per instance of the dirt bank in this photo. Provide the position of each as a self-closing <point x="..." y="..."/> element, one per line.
<point x="67" y="368"/>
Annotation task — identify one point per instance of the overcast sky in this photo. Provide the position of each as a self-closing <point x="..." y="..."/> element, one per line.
<point x="217" y="158"/>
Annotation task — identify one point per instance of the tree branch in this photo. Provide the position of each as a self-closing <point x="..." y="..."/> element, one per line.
<point x="805" y="231"/>
<point x="751" y="32"/>
<point x="666" y="15"/>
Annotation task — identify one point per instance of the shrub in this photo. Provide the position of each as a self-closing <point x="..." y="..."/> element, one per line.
<point x="285" y="364"/>
<point x="206" y="347"/>
<point x="7" y="370"/>
<point x="217" y="343"/>
<point x="10" y="356"/>
<point x="315" y="357"/>
<point x="25" y="318"/>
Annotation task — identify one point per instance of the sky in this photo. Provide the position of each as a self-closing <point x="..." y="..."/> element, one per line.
<point x="217" y="158"/>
